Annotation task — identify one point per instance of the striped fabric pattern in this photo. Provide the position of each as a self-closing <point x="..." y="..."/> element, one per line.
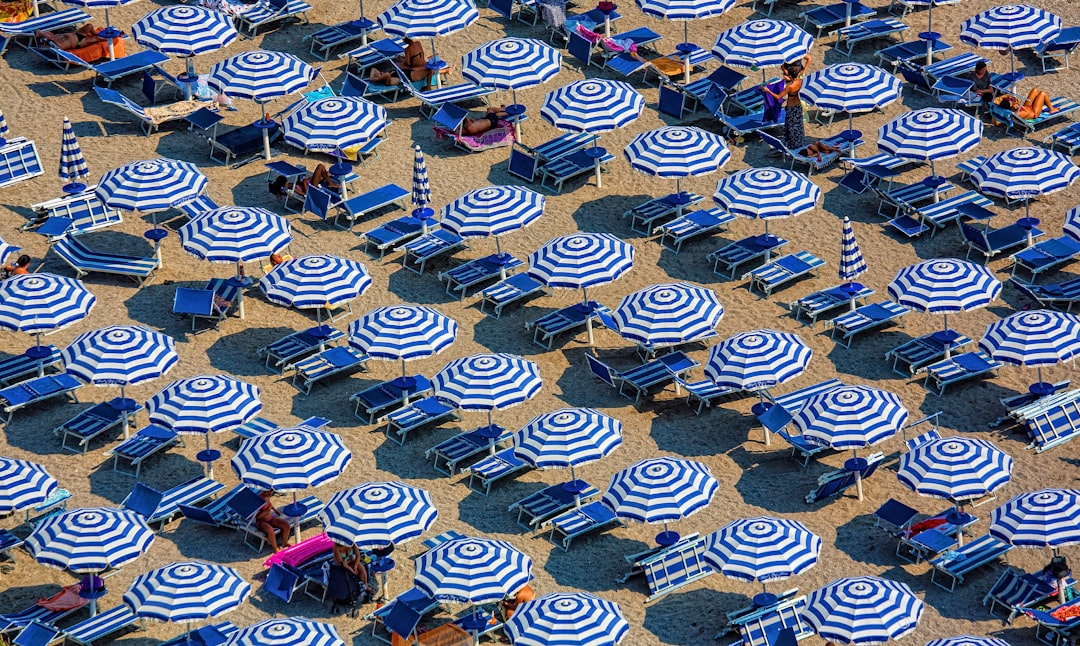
<point x="235" y="234"/>
<point x="757" y="359"/>
<point x="260" y="75"/>
<point x="660" y="490"/>
<point x="944" y="286"/>
<point x="955" y="468"/>
<point x="40" y="302"/>
<point x="427" y="18"/>
<point x="334" y="123"/>
<point x="3" y="126"/>
<point x="851" y="417"/>
<point x="852" y="263"/>
<point x="1044" y="518"/>
<point x="377" y="514"/>
<point x="762" y="549"/>
<point x="90" y="539"/>
<point x="762" y="43"/>
<point x="570" y="437"/>
<point x="930" y="134"/>
<point x="684" y="9"/>
<point x="581" y="260"/>
<point x="472" y="570"/>
<point x="567" y="619"/>
<point x="511" y="63"/>
<point x="151" y="185"/>
<point x="184" y="31"/>
<point x="592" y="105"/>
<point x="421" y="185"/>
<point x="863" y="610"/>
<point x="186" y="591"/>
<point x="120" y="355"/>
<point x="1033" y="338"/>
<point x="23" y="483"/>
<point x="493" y="210"/>
<point x="968" y="640"/>
<point x="1014" y="26"/>
<point x="487" y="381"/>
<point x="677" y="151"/>
<point x="204" y="404"/>
<point x="1070" y="228"/>
<point x="767" y="193"/>
<point x="287" y="631"/>
<point x="6" y="250"/>
<point x="851" y="87"/>
<point x="72" y="163"/>
<point x="1023" y="173"/>
<point x="669" y="313"/>
<point x="98" y="3"/>
<point x="402" y="332"/>
<point x="311" y="282"/>
<point x="291" y="459"/>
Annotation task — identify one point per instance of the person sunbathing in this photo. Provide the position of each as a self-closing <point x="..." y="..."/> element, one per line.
<point x="616" y="45"/>
<point x="817" y="149"/>
<point x="1032" y="106"/>
<point x="81" y="37"/>
<point x="268" y="520"/>
<point x="489" y="121"/>
<point x="321" y="177"/>
<point x="412" y="61"/>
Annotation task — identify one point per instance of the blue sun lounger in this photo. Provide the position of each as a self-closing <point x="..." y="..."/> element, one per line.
<point x="990" y="242"/>
<point x="835" y="483"/>
<point x="723" y="78"/>
<point x="778" y="625"/>
<point x="828" y="18"/>
<point x="535" y="509"/>
<point x="160" y="507"/>
<point x="570" y="318"/>
<point x="526" y="162"/>
<point x="212" y="304"/>
<point x="492" y="469"/>
<point x="1046" y="255"/>
<point x="476" y="272"/>
<point x="433" y="99"/>
<point x="911" y="357"/>
<point x="14" y="622"/>
<point x="260" y="425"/>
<point x="955" y="564"/>
<point x="812" y="163"/>
<point x="1056" y="295"/>
<point x="213" y="635"/>
<point x="102" y="626"/>
<point x="297" y="345"/>
<point x="783" y="270"/>
<point x="8" y="542"/>
<point x="89" y="424"/>
<point x="18" y="366"/>
<point x="74" y="214"/>
<point x="935" y="216"/>
<point x="704" y="392"/>
<point x="658" y="208"/>
<point x="390" y="394"/>
<point x="865" y="318"/>
<point x="141" y="446"/>
<point x="823" y="301"/>
<point x="334" y="361"/>
<point x="247" y="24"/>
<point x="86" y="261"/>
<point x="450" y="454"/>
<point x="1068" y="138"/>
<point x="1065" y="107"/>
<point x="359" y="206"/>
<point x="37" y="390"/>
<point x="325" y="40"/>
<point x="108" y="71"/>
<point x="658" y="372"/>
<point x="774" y="417"/>
<point x="848" y="37"/>
<point x="692" y="225"/>
<point x="428" y="247"/>
<point x="961" y="367"/>
<point x="911" y="51"/>
<point x="559" y="171"/>
<point x="148" y="124"/>
<point x="417" y="414"/>
<point x="10" y="32"/>
<point x="19" y="161"/>
<point x="392" y="234"/>
<point x="374" y="53"/>
<point x="580" y="521"/>
<point x="740" y="252"/>
<point x="403" y="612"/>
<point x="1017" y="590"/>
<point x="514" y="289"/>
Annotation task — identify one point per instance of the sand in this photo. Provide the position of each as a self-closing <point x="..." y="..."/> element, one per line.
<point x="755" y="479"/>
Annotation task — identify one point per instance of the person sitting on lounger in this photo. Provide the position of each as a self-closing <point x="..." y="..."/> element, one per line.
<point x="980" y="79"/>
<point x="17" y="268"/>
<point x="510" y="605"/>
<point x="321" y="177"/>
<point x="413" y="62"/>
<point x="1032" y="106"/>
<point x="81" y="37"/>
<point x="267" y="519"/>
<point x="489" y="121"/>
<point x="619" y="46"/>
<point x="350" y="558"/>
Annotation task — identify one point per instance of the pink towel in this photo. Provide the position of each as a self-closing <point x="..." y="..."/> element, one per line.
<point x="302" y="552"/>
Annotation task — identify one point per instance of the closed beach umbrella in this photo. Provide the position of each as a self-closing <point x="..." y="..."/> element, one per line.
<point x="852" y="263"/>
<point x="109" y="32"/>
<point x="1034" y="338"/>
<point x="73" y="166"/>
<point x="567" y="619"/>
<point x="863" y="610"/>
<point x="678" y="152"/>
<point x="493" y="211"/>
<point x="315" y="282"/>
<point x="1010" y="27"/>
<point x="402" y="333"/>
<point x="930" y="134"/>
<point x="661" y="490"/>
<point x="1024" y="173"/>
<point x="37" y="303"/>
<point x="472" y="571"/>
<point x="570" y="437"/>
<point x="185" y="32"/>
<point x="3" y="129"/>
<point x="287" y="631"/>
<point x="1070" y="228"/>
<point x="334" y="123"/>
<point x="421" y="185"/>
<point x="669" y="314"/>
<point x="23" y="483"/>
<point x="187" y="591"/>
<point x="235" y="234"/>
<point x="685" y="11"/>
<point x="428" y="19"/>
<point x="851" y="88"/>
<point x="762" y="549"/>
<point x="488" y="382"/>
<point x="762" y="43"/>
<point x="377" y="514"/>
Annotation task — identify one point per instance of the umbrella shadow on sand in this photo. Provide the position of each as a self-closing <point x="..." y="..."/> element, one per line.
<point x="602" y="574"/>
<point x="675" y="429"/>
<point x="676" y="618"/>
<point x="761" y="469"/>
<point x="234" y="353"/>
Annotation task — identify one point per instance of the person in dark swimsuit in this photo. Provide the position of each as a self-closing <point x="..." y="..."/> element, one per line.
<point x="85" y="35"/>
<point x="980" y="79"/>
<point x="794" y="125"/>
<point x="412" y="61"/>
<point x="488" y="122"/>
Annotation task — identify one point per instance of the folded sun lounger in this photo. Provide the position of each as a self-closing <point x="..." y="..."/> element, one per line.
<point x="73" y="215"/>
<point x="19" y="161"/>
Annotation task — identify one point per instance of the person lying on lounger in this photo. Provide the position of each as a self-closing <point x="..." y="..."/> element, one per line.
<point x="267" y="520"/>
<point x="489" y="121"/>
<point x="1032" y="106"/>
<point x="413" y="62"/>
<point x="619" y="46"/>
<point x="321" y="177"/>
<point x="81" y="37"/>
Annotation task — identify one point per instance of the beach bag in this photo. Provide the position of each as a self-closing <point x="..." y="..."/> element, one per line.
<point x="344" y="591"/>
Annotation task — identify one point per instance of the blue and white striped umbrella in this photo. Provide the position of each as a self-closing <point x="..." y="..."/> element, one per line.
<point x="377" y="514"/>
<point x="511" y="64"/>
<point x="37" y="303"/>
<point x="1010" y="27"/>
<point x="863" y="610"/>
<point x="204" y="404"/>
<point x="151" y="185"/>
<point x="762" y="43"/>
<point x="852" y="263"/>
<point x="23" y="483"/>
<point x="334" y="123"/>
<point x="6" y="250"/>
<point x="109" y="32"/>
<point x="315" y="282"/>
<point x="472" y="571"/>
<point x="968" y="640"/>
<point x="1070" y="228"/>
<point x="930" y="134"/>
<point x="291" y="459"/>
<point x="260" y="75"/>
<point x="235" y="234"/>
<point x="3" y="128"/>
<point x="402" y="332"/>
<point x="762" y="549"/>
<point x="945" y="285"/>
<point x="487" y="382"/>
<point x="684" y="11"/>
<point x="592" y="105"/>
<point x="567" y="619"/>
<point x="427" y="18"/>
<point x="851" y="88"/>
<point x="581" y="260"/>
<point x="186" y="591"/>
<point x="90" y="539"/>
<point x="1044" y="518"/>
<point x="120" y="355"/>
<point x="660" y="490"/>
<point x="287" y="631"/>
<point x="669" y="313"/>
<point x="570" y="437"/>
<point x="757" y="359"/>
<point x="851" y="417"/>
<point x="72" y="163"/>
<point x="677" y="151"/>
<point x="184" y="31"/>
<point x="1024" y="173"/>
<point x="955" y="468"/>
<point x="493" y="211"/>
<point x="766" y="194"/>
<point x="421" y="185"/>
<point x="1033" y="338"/>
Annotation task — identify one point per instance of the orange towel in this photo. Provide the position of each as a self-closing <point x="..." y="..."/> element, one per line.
<point x="1065" y="613"/>
<point x="97" y="51"/>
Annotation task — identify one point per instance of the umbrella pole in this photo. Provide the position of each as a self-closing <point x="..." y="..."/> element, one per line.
<point x="761" y="402"/>
<point x="588" y="320"/>
<point x="108" y="34"/>
<point x="499" y="253"/>
<point x="435" y="68"/>
<point x="516" y="118"/>
<point x="686" y="54"/>
<point x="265" y="132"/>
<point x="858" y="478"/>
<point x="405" y="384"/>
<point x="123" y="402"/>
<point x="296" y="522"/>
<point x="678" y="197"/>
<point x="491" y="440"/>
<point x="363" y="30"/>
<point x="945" y="334"/>
<point x="192" y="79"/>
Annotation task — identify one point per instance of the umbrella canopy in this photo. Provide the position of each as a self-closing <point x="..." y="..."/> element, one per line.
<point x="1010" y="27"/>
<point x="941" y="286"/>
<point x="260" y="75"/>
<point x="957" y="469"/>
<point x="186" y="32"/>
<point x="592" y="105"/>
<point x="315" y="282"/>
<point x="766" y="194"/>
<point x="567" y="619"/>
<point x="581" y="260"/>
<point x="89" y="540"/>
<point x="73" y="166"/>
<point x="402" y="332"/>
<point x="291" y="459"/>
<point x="851" y="417"/>
<point x="762" y="43"/>
<point x="668" y="314"/>
<point x="677" y="151"/>
<point x="511" y="64"/>
<point x="472" y="571"/>
<point x="36" y="303"/>
<point x="334" y="123"/>
<point x="1024" y="173"/>
<point x="377" y="514"/>
<point x="204" y="404"/>
<point x="863" y="610"/>
<point x="569" y="437"/>
<point x="757" y="359"/>
<point x="930" y="134"/>
<point x="487" y="382"/>
<point x="1033" y="338"/>
<point x="235" y="234"/>
<point x="120" y="355"/>
<point x="23" y="483"/>
<point x="1071" y="226"/>
<point x="492" y="211"/>
<point x="186" y="591"/>
<point x="287" y="631"/>
<point x="1045" y="518"/>
<point x="968" y="640"/>
<point x="427" y="18"/>
<point x="421" y="185"/>
<point x="851" y="88"/>
<point x="762" y="549"/>
<point x="660" y="490"/>
<point x="151" y="185"/>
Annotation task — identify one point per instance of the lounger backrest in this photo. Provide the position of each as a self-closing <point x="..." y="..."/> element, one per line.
<point x="318" y="201"/>
<point x="504" y="8"/>
<point x="522" y="164"/>
<point x="19" y="161"/>
<point x="726" y="78"/>
<point x="912" y="74"/>
<point x="143" y="500"/>
<point x="774" y="143"/>
<point x="974" y="236"/>
<point x="450" y="116"/>
<point x="600" y="370"/>
<point x="113" y="97"/>
<point x="672" y="102"/>
<point x="281" y="581"/>
<point x="580" y="48"/>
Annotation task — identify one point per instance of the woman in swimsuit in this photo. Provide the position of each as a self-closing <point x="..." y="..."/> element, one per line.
<point x="488" y="122"/>
<point x="85" y="35"/>
<point x="794" y="125"/>
<point x="1032" y="107"/>
<point x="412" y="61"/>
